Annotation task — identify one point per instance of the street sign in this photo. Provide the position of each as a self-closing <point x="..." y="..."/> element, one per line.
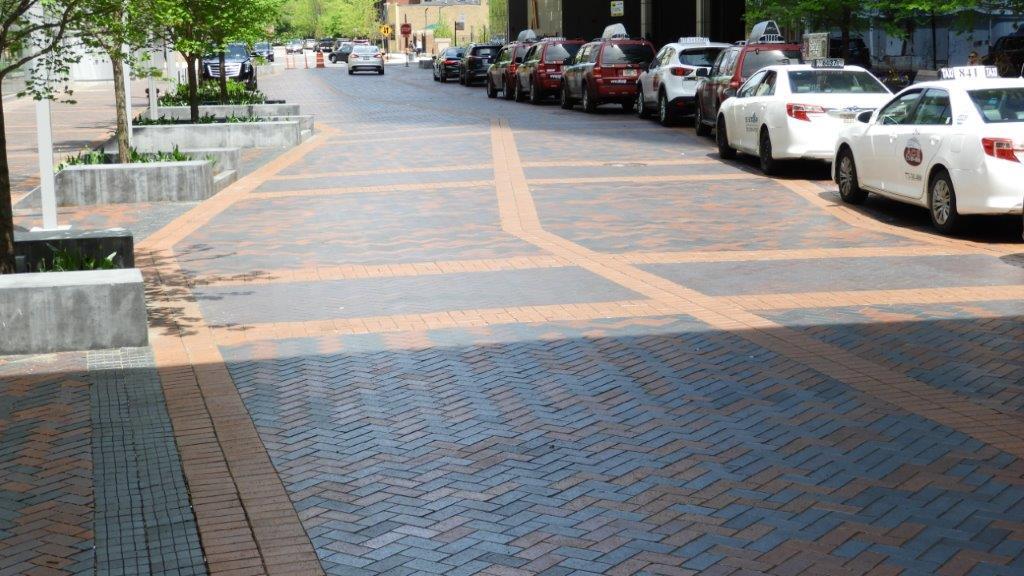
<point x="406" y="29"/>
<point x="618" y="8"/>
<point x="385" y="30"/>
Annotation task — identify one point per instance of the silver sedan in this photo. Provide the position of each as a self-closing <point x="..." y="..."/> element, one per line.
<point x="364" y="57"/>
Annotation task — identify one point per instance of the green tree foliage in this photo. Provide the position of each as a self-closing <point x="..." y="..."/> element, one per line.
<point x="497" y="15"/>
<point x="350" y="18"/>
<point x="31" y="34"/>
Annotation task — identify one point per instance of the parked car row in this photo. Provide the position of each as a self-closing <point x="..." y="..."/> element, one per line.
<point x="953" y="146"/>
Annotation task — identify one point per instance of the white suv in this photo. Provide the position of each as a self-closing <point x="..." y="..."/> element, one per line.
<point x="669" y="85"/>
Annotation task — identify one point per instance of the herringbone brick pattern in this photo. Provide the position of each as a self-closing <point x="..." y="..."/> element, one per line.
<point x="616" y="448"/>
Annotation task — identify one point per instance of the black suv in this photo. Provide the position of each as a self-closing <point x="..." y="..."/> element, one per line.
<point x="1007" y="54"/>
<point x="326" y="45"/>
<point x="341" y="51"/>
<point x="237" y="65"/>
<point x="477" y="59"/>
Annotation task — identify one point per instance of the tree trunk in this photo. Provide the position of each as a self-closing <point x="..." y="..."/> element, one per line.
<point x="123" y="152"/>
<point x="6" y="210"/>
<point x="223" y="78"/>
<point x="193" y="87"/>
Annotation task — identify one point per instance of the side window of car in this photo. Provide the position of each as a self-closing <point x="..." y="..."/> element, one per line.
<point x="534" y="54"/>
<point x="718" y="63"/>
<point x="595" y="53"/>
<point x="899" y="110"/>
<point x="750" y="87"/>
<point x="934" y="109"/>
<point x="767" y="86"/>
<point x="667" y="57"/>
<point x="503" y="57"/>
<point x="729" y="64"/>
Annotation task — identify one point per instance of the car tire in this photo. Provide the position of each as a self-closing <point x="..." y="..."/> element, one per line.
<point x="506" y="92"/>
<point x="462" y="79"/>
<point x="846" y="177"/>
<point x="517" y="93"/>
<point x="665" y="116"/>
<point x="444" y="77"/>
<point x="563" y="99"/>
<point x="589" y="106"/>
<point x="725" y="151"/>
<point x="640" y="105"/>
<point x="769" y="165"/>
<point x="492" y="92"/>
<point x="350" y="72"/>
<point x="381" y="71"/>
<point x="699" y="124"/>
<point x="534" y="94"/>
<point x="942" y="203"/>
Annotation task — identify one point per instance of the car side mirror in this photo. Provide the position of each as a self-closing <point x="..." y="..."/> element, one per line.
<point x="865" y="116"/>
<point x="702" y="73"/>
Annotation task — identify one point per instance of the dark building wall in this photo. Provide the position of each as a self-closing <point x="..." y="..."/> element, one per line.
<point x="587" y="18"/>
<point x="517" y="17"/>
<point x="672" y="19"/>
<point x="728" y="22"/>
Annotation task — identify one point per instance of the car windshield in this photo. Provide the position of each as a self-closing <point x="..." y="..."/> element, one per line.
<point x="627" y="54"/>
<point x="365" y="49"/>
<point x="262" y="46"/>
<point x="232" y="52"/>
<point x="453" y="53"/>
<point x="999" y="105"/>
<point x="704" y="57"/>
<point x="757" y="59"/>
<point x="485" y="51"/>
<point x="834" y="82"/>
<point x="559" y="52"/>
<point x="1012" y="43"/>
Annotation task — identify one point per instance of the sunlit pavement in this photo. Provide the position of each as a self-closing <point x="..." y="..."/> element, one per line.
<point x="453" y="335"/>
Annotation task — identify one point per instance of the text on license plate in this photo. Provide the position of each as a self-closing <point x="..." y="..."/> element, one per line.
<point x="618" y="81"/>
<point x="555" y="76"/>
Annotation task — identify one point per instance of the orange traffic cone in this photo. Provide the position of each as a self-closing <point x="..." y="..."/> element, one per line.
<point x="319" y="59"/>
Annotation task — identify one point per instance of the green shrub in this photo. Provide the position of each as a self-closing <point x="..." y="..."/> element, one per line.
<point x="94" y="157"/>
<point x="164" y="121"/>
<point x="209" y="93"/>
<point x="64" y="260"/>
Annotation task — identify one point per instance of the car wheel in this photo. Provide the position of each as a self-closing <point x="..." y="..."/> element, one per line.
<point x="492" y="92"/>
<point x="665" y="116"/>
<point x="640" y="105"/>
<point x="518" y="95"/>
<point x="769" y="165"/>
<point x="589" y="106"/>
<point x="942" y="203"/>
<point x="350" y="71"/>
<point x="564" y="100"/>
<point x="725" y="151"/>
<point x="506" y="91"/>
<point x="534" y="93"/>
<point x="698" y="122"/>
<point x="462" y="79"/>
<point x="846" y="177"/>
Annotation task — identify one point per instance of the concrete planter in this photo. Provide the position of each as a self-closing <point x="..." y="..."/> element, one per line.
<point x="128" y="183"/>
<point x="196" y="136"/>
<point x="261" y="110"/>
<point x="305" y="121"/>
<point x="33" y="247"/>
<point x="42" y="313"/>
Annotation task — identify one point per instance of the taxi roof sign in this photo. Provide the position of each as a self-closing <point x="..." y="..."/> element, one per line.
<point x="614" y="31"/>
<point x="695" y="40"/>
<point x="828" y="63"/>
<point x="767" y="32"/>
<point x="969" y="72"/>
<point x="527" y="35"/>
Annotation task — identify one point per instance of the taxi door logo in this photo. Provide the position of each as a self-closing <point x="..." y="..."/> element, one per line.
<point x="913" y="153"/>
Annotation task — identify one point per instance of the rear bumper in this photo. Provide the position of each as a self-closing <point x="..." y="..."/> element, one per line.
<point x="606" y="90"/>
<point x="994" y="189"/>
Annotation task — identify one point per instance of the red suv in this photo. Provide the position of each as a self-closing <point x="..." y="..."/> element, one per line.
<point x="605" y="71"/>
<point x="540" y="74"/>
<point x="732" y="68"/>
<point x="501" y="74"/>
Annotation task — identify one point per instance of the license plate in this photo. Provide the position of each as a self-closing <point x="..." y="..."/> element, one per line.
<point x="555" y="76"/>
<point x="618" y="81"/>
<point x="629" y="72"/>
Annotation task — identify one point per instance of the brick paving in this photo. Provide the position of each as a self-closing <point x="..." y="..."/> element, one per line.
<point x="450" y="335"/>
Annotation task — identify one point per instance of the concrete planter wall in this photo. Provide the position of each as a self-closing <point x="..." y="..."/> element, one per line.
<point x="128" y="183"/>
<point x="261" y="110"/>
<point x="32" y="247"/>
<point x="305" y="121"/>
<point x="42" y="313"/>
<point x="195" y="136"/>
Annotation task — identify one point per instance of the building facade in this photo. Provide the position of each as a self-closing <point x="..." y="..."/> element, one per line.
<point x="661" y="21"/>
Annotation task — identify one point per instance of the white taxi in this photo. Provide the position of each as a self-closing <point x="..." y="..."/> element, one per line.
<point x="954" y="146"/>
<point x="669" y="85"/>
<point x="795" y="111"/>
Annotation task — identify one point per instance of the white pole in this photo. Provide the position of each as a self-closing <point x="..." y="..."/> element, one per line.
<point x="44" y="139"/>
<point x="127" y="90"/>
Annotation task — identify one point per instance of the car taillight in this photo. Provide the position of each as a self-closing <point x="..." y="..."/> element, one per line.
<point x="681" y="71"/>
<point x="1001" y="148"/>
<point x="801" y="111"/>
<point x="449" y="61"/>
<point x="597" y="72"/>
